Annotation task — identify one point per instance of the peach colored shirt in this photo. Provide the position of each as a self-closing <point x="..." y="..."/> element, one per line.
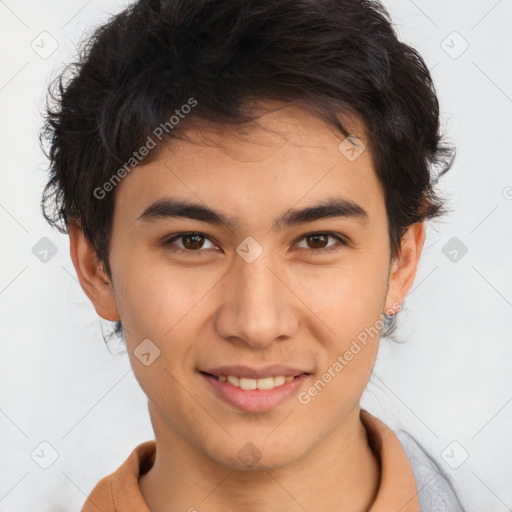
<point x="119" y="492"/>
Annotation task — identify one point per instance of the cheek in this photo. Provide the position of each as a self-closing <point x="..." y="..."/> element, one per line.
<point x="149" y="297"/>
<point x="349" y="301"/>
<point x="361" y="302"/>
<point x="346" y="298"/>
<point x="157" y="306"/>
<point x="166" y="305"/>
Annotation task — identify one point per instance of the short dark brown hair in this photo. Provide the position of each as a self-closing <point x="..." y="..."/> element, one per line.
<point x="332" y="57"/>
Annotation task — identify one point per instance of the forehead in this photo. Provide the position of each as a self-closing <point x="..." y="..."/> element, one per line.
<point x="289" y="158"/>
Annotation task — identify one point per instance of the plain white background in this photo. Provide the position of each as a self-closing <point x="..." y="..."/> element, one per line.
<point x="450" y="384"/>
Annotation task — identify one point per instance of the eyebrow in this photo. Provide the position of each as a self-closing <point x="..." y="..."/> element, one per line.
<point x="176" y="208"/>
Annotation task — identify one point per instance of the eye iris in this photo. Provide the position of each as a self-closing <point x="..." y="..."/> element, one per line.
<point x="315" y="238"/>
<point x="196" y="244"/>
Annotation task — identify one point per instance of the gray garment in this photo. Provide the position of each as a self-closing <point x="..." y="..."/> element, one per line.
<point x="435" y="491"/>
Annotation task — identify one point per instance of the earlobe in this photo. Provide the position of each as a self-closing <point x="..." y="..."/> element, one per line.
<point x="91" y="273"/>
<point x="403" y="269"/>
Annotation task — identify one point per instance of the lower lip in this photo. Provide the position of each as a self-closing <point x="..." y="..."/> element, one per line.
<point x="255" y="400"/>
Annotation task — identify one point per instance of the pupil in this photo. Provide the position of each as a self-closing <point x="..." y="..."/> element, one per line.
<point x="195" y="245"/>
<point x="317" y="237"/>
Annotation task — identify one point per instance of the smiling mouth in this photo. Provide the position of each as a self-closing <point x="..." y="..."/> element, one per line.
<point x="265" y="383"/>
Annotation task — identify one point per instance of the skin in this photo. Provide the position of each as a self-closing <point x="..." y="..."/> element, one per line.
<point x="295" y="304"/>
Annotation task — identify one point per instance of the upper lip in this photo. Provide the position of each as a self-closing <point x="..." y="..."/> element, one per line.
<point x="254" y="373"/>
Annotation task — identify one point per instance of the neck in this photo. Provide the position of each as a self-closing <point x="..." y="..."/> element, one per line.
<point x="341" y="473"/>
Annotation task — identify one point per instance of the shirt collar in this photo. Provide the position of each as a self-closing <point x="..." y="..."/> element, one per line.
<point x="397" y="489"/>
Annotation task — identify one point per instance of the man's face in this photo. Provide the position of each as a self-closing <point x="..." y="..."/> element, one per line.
<point x="252" y="294"/>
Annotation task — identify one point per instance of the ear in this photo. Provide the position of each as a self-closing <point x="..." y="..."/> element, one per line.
<point x="91" y="274"/>
<point x="403" y="269"/>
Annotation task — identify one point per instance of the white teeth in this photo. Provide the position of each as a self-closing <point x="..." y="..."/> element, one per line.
<point x="264" y="383"/>
<point x="248" y="383"/>
<point x="268" y="383"/>
<point x="280" y="380"/>
<point x="234" y="381"/>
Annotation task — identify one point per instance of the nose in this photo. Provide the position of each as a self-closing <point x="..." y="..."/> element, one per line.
<point x="257" y="307"/>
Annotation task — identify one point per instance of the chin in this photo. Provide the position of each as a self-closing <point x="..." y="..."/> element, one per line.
<point x="255" y="457"/>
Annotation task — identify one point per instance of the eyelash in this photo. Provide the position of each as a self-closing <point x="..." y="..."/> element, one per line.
<point x="332" y="249"/>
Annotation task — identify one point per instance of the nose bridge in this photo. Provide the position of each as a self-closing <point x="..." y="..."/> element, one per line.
<point x="256" y="287"/>
<point x="255" y="307"/>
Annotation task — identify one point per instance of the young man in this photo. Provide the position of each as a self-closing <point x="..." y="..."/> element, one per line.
<point x="245" y="186"/>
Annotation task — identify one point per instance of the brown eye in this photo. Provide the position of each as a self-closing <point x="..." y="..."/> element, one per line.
<point x="189" y="243"/>
<point x="192" y="241"/>
<point x="319" y="242"/>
